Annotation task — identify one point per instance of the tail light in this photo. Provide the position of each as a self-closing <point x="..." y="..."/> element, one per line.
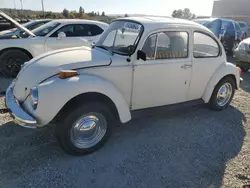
<point x="240" y="71"/>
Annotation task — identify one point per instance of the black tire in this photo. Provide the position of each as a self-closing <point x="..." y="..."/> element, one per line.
<point x="213" y="100"/>
<point x="63" y="131"/>
<point x="11" y="62"/>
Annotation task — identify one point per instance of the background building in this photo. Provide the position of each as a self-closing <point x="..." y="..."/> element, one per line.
<point x="234" y="9"/>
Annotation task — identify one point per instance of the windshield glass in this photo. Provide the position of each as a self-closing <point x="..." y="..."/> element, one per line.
<point x="121" y="37"/>
<point x="27" y="24"/>
<point x="242" y="24"/>
<point x="45" y="29"/>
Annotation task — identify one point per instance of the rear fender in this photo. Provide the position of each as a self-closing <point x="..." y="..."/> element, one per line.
<point x="222" y="71"/>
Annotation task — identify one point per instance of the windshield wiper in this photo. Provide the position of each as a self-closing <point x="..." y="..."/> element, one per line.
<point x="105" y="48"/>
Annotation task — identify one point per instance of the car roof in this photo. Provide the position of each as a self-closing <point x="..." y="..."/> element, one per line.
<point x="164" y="22"/>
<point x="78" y="21"/>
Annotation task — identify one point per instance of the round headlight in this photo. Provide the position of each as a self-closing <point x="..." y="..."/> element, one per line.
<point x="34" y="96"/>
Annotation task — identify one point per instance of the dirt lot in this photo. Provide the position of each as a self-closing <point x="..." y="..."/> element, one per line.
<point x="188" y="147"/>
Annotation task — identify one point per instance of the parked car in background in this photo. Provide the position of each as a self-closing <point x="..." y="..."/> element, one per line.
<point x="228" y="31"/>
<point x="29" y="25"/>
<point x="137" y="63"/>
<point x="245" y="28"/>
<point x="242" y="55"/>
<point x="16" y="49"/>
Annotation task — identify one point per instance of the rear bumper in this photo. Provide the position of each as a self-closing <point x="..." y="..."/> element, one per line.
<point x="20" y="116"/>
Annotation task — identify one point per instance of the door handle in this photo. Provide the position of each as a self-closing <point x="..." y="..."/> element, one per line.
<point x="186" y="66"/>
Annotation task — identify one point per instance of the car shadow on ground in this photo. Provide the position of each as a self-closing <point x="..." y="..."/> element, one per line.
<point x="187" y="147"/>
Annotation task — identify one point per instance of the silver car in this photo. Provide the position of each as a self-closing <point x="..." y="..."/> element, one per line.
<point x="242" y="55"/>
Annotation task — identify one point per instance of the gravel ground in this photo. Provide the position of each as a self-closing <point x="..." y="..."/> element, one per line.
<point x="187" y="147"/>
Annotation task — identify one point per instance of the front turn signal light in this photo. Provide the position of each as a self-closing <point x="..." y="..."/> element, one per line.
<point x="67" y="74"/>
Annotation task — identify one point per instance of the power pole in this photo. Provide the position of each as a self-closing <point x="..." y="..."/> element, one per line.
<point x="15" y="4"/>
<point x="21" y="7"/>
<point x="43" y="8"/>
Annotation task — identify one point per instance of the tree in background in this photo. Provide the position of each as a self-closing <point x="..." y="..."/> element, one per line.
<point x="65" y="13"/>
<point x="103" y="13"/>
<point x="184" y="14"/>
<point x="81" y="12"/>
<point x="126" y="15"/>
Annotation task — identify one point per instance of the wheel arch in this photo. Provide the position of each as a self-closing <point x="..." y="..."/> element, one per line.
<point x="221" y="73"/>
<point x="17" y="48"/>
<point x="86" y="98"/>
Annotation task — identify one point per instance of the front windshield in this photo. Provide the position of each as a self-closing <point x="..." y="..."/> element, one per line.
<point x="27" y="24"/>
<point x="121" y="37"/>
<point x="45" y="29"/>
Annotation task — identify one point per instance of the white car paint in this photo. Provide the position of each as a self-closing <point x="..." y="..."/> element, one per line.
<point x="131" y="84"/>
<point x="36" y="45"/>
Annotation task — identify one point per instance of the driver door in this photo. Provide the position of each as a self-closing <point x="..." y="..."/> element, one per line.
<point x="164" y="77"/>
<point x="76" y="35"/>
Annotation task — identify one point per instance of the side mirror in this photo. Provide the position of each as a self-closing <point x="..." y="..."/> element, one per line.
<point x="141" y="55"/>
<point x="61" y="36"/>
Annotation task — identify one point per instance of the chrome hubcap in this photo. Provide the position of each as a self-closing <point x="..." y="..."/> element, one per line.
<point x="224" y="94"/>
<point x="88" y="130"/>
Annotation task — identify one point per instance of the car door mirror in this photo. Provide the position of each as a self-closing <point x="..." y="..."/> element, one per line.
<point x="141" y="55"/>
<point x="61" y="36"/>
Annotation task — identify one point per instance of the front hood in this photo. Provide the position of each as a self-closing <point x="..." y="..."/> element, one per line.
<point x="9" y="19"/>
<point x="42" y="67"/>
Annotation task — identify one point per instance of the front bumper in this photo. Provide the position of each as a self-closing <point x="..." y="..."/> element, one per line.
<point x="20" y="116"/>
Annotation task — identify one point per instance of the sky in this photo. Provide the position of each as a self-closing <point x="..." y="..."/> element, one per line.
<point x="150" y="7"/>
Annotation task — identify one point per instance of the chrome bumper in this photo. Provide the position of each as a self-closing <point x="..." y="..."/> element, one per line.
<point x="20" y="116"/>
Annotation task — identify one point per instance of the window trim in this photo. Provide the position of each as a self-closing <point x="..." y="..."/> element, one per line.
<point x="139" y="36"/>
<point x="204" y="33"/>
<point x="157" y="34"/>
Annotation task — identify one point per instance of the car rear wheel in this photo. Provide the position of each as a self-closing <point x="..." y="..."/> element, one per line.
<point x="11" y="62"/>
<point x="222" y="94"/>
<point x="85" y="130"/>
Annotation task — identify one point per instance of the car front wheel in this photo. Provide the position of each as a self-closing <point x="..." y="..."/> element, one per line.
<point x="11" y="62"/>
<point x="85" y="130"/>
<point x="222" y="94"/>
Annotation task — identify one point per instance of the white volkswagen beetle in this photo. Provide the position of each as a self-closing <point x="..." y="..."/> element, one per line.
<point x="138" y="63"/>
<point x="18" y="48"/>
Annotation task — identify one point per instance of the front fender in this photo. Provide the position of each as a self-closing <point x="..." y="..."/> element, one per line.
<point x="222" y="71"/>
<point x="55" y="93"/>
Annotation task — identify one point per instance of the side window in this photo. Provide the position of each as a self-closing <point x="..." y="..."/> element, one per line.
<point x="82" y="30"/>
<point x="95" y="30"/>
<point x="205" y="46"/>
<point x="149" y="46"/>
<point x="172" y="44"/>
<point x="68" y="30"/>
<point x="79" y="30"/>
